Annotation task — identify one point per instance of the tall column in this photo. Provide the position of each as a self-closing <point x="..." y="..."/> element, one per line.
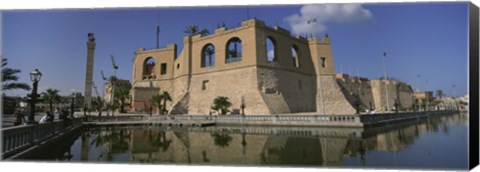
<point x="89" y="71"/>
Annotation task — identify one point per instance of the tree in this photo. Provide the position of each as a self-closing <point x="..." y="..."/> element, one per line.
<point x="221" y="139"/>
<point x="210" y="51"/>
<point x="221" y="105"/>
<point x="98" y="104"/>
<point x="9" y="78"/>
<point x="233" y="53"/>
<point x="157" y="100"/>
<point x="204" y="32"/>
<point x="439" y="93"/>
<point x="160" y="140"/>
<point x="111" y="107"/>
<point x="122" y="93"/>
<point x="191" y="30"/>
<point x="165" y="97"/>
<point x="51" y="96"/>
<point x="194" y="29"/>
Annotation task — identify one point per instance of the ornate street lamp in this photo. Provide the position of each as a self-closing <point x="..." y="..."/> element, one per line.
<point x="35" y="76"/>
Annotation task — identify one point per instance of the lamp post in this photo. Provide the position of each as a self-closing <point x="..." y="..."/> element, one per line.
<point x="454" y="98"/>
<point x="427" y="96"/>
<point x="35" y="76"/>
<point x="385" y="78"/>
<point x="72" y="105"/>
<point x="418" y="83"/>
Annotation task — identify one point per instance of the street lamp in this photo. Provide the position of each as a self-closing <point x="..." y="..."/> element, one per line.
<point x="72" y="105"/>
<point x="385" y="78"/>
<point x="35" y="76"/>
<point x="427" y="96"/>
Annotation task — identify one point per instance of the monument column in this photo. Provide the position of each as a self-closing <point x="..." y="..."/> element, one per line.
<point x="89" y="71"/>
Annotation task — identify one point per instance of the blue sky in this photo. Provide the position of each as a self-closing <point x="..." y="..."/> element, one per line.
<point x="426" y="39"/>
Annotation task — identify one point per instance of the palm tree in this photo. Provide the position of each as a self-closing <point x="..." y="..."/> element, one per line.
<point x="51" y="96"/>
<point x="160" y="141"/>
<point x="439" y="94"/>
<point x="204" y="32"/>
<point x="221" y="104"/>
<point x="9" y="77"/>
<point x="191" y="30"/>
<point x="221" y="139"/>
<point x="233" y="53"/>
<point x="165" y="97"/>
<point x="210" y="51"/>
<point x="157" y="100"/>
<point x="98" y="104"/>
<point x="122" y="93"/>
<point x="111" y="107"/>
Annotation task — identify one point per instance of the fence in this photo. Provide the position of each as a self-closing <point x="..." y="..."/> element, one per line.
<point x="18" y="138"/>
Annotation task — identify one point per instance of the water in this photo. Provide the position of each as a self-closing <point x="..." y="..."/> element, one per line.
<point x="434" y="143"/>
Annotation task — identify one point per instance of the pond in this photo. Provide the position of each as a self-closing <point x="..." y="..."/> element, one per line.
<point x="433" y="143"/>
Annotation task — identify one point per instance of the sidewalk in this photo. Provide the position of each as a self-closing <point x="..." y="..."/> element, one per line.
<point x="9" y="119"/>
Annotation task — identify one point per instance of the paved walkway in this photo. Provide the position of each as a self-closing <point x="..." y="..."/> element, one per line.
<point x="9" y="119"/>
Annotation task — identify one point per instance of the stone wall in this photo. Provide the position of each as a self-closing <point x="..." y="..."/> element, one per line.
<point x="286" y="92"/>
<point x="397" y="92"/>
<point x="332" y="97"/>
<point x="233" y="84"/>
<point x="352" y="86"/>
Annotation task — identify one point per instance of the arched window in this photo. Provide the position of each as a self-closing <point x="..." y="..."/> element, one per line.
<point x="271" y="49"/>
<point x="234" y="50"/>
<point x="295" y="56"/>
<point x="149" y="68"/>
<point x="208" y="56"/>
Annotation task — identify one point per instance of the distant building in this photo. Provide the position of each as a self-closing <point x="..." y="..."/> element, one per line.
<point x="423" y="99"/>
<point x="371" y="94"/>
<point x="119" y="83"/>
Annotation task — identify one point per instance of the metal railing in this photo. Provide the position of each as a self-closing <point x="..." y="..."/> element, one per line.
<point x="113" y="118"/>
<point x="18" y="138"/>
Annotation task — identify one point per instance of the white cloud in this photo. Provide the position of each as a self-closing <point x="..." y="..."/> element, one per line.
<point x="326" y="13"/>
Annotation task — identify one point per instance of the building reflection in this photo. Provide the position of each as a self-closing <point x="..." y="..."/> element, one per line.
<point x="232" y="147"/>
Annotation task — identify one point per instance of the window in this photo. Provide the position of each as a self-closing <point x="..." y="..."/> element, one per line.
<point x="163" y="69"/>
<point x="204" y="84"/>
<point x="295" y="56"/>
<point x="178" y="66"/>
<point x="270" y="49"/>
<point x="208" y="56"/>
<point x="322" y="61"/>
<point x="234" y="50"/>
<point x="149" y="68"/>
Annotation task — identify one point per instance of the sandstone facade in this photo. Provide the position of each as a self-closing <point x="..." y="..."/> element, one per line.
<point x="266" y="68"/>
<point x="372" y="93"/>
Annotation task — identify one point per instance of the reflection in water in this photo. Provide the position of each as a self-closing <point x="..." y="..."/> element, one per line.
<point x="291" y="151"/>
<point x="221" y="139"/>
<point x="415" y="145"/>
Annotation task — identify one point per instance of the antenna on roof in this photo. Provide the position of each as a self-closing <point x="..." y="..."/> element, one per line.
<point x="158" y="30"/>
<point x="158" y="33"/>
<point x="248" y="13"/>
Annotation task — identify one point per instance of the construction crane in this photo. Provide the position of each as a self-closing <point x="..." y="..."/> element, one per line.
<point x="103" y="76"/>
<point x="115" y="66"/>
<point x="95" y="87"/>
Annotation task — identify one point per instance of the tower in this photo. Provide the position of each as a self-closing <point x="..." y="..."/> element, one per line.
<point x="89" y="71"/>
<point x="330" y="99"/>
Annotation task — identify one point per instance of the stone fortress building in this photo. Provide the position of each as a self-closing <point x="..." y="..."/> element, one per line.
<point x="264" y="68"/>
